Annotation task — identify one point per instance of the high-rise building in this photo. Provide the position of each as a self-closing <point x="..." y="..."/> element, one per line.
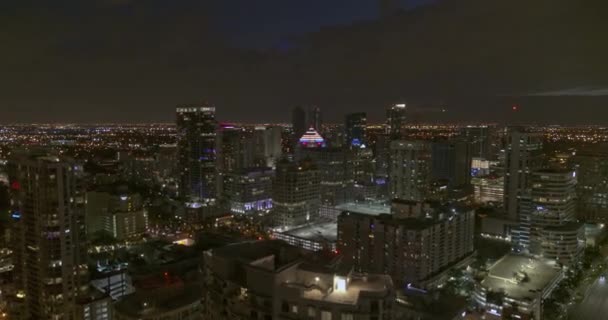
<point x="410" y="170"/>
<point x="336" y="176"/>
<point x="395" y="121"/>
<point x="523" y="156"/>
<point x="315" y="119"/>
<point x="249" y="190"/>
<point x="592" y="187"/>
<point x="273" y="280"/>
<point x="298" y="122"/>
<point x="235" y="150"/>
<point x="50" y="257"/>
<point x="270" y="140"/>
<point x="355" y="127"/>
<point x="452" y="162"/>
<point x="489" y="189"/>
<point x="117" y="212"/>
<point x="296" y="191"/>
<point x="414" y="245"/>
<point x="481" y="139"/>
<point x="552" y="212"/>
<point x="196" y="143"/>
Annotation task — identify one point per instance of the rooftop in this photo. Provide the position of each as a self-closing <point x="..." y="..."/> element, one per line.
<point x="159" y="301"/>
<point x="520" y="277"/>
<point x="379" y="284"/>
<point x="366" y="208"/>
<point x="320" y="231"/>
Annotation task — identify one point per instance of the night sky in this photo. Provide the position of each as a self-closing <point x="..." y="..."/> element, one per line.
<point x="134" y="60"/>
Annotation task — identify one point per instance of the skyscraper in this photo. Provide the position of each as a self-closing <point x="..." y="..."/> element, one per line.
<point x="395" y="121"/>
<point x="410" y="170"/>
<point x="315" y="119"/>
<point x="355" y="127"/>
<point x="235" y="150"/>
<point x="50" y="259"/>
<point x="296" y="193"/>
<point x="523" y="156"/>
<point x="481" y="140"/>
<point x="196" y="142"/>
<point x="452" y="162"/>
<point x="553" y="199"/>
<point x="298" y="122"/>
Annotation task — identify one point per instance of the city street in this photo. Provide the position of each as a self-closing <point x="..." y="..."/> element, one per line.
<point x="595" y="303"/>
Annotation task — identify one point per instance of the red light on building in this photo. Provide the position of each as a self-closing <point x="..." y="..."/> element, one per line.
<point x="15" y="185"/>
<point x="515" y="107"/>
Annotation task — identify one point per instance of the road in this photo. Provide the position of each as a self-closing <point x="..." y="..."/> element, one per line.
<point x="595" y="304"/>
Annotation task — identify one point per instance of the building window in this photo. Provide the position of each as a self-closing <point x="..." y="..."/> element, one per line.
<point x="284" y="307"/>
<point x="294" y="309"/>
<point x="346" y="316"/>
<point x="312" y="313"/>
<point x="325" y="315"/>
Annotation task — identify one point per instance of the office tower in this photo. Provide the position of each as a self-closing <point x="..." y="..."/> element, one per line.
<point x="336" y="176"/>
<point x="481" y="139"/>
<point x="552" y="216"/>
<point x="395" y="121"/>
<point x="592" y="187"/>
<point x="523" y="156"/>
<point x="415" y="244"/>
<point x="355" y="127"/>
<point x="235" y="150"/>
<point x="196" y="144"/>
<point x="270" y="141"/>
<point x="410" y="170"/>
<point x="315" y="119"/>
<point x="452" y="162"/>
<point x="296" y="191"/>
<point x="363" y="165"/>
<point x="273" y="280"/>
<point x="298" y="122"/>
<point x="249" y="190"/>
<point x="49" y="257"/>
<point x="489" y="189"/>
<point x="115" y="211"/>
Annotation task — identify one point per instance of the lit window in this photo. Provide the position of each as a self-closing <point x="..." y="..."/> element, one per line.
<point x="325" y="315"/>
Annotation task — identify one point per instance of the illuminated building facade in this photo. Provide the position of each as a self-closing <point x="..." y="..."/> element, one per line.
<point x="414" y="244"/>
<point x="355" y="127"/>
<point x="118" y="212"/>
<point x="196" y="144"/>
<point x="410" y="170"/>
<point x="249" y="190"/>
<point x="296" y="193"/>
<point x="395" y="121"/>
<point x="523" y="156"/>
<point x="50" y="256"/>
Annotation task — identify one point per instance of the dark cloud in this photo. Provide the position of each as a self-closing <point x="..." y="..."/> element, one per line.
<point x="118" y="60"/>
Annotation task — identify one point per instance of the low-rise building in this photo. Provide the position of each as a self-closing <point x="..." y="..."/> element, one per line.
<point x="314" y="237"/>
<point x="273" y="280"/>
<point x="516" y="286"/>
